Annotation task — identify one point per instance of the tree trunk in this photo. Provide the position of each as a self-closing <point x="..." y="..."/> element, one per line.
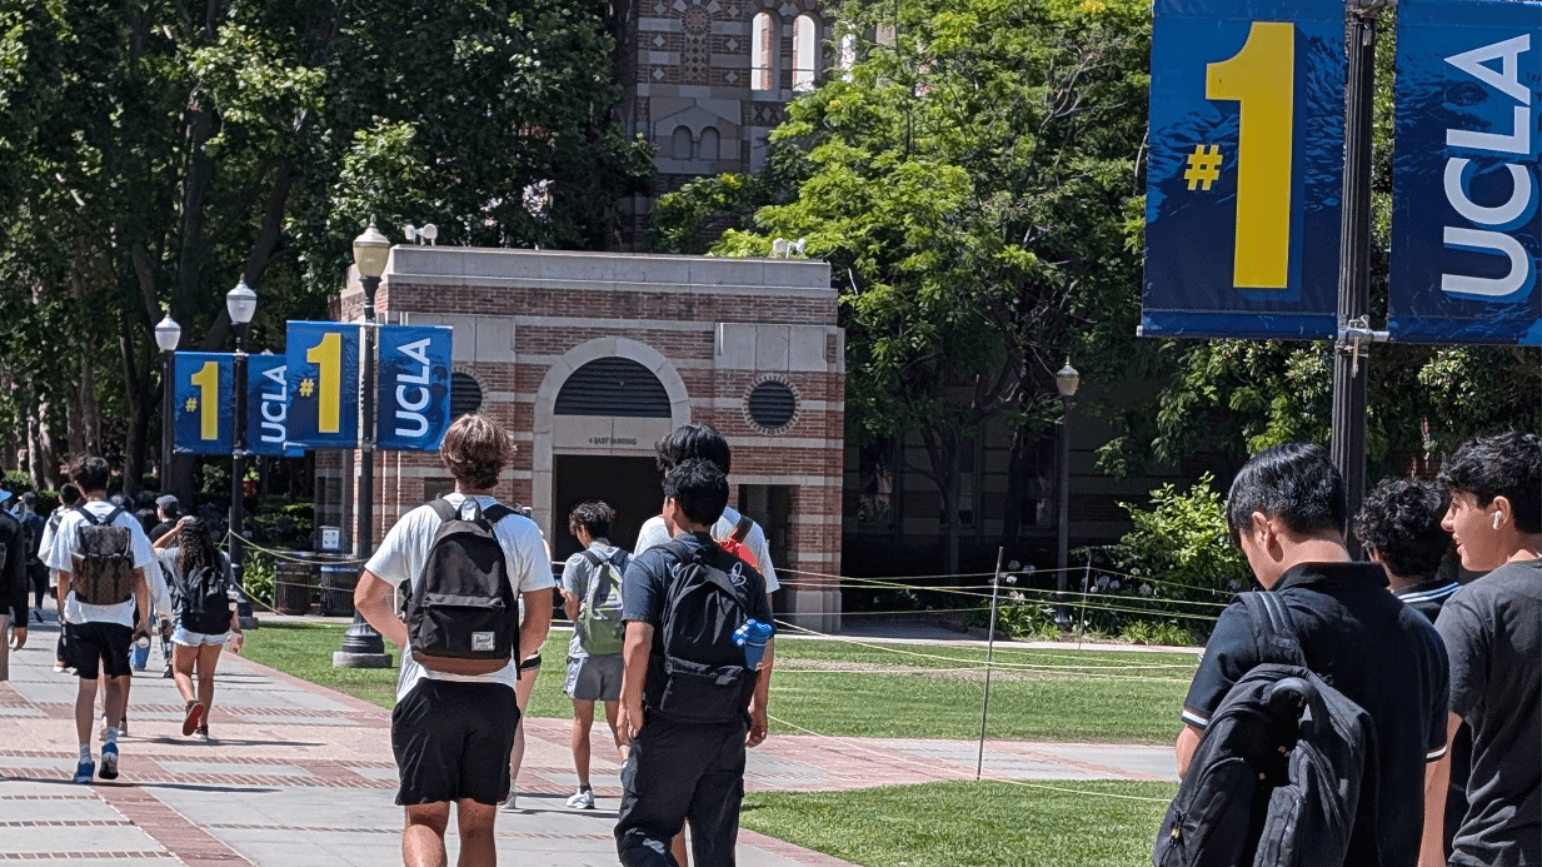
<point x="1017" y="488"/>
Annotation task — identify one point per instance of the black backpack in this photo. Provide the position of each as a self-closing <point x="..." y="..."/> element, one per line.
<point x="1284" y="774"/>
<point x="463" y="613"/>
<point x="203" y="600"/>
<point x="102" y="567"/>
<point x="700" y="675"/>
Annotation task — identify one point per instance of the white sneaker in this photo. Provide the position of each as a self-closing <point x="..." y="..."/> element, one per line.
<point x="583" y="799"/>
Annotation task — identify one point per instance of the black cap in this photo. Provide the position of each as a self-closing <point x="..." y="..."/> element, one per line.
<point x="169" y="503"/>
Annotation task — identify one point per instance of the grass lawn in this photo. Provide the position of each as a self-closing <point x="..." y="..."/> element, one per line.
<point x="835" y="687"/>
<point x="968" y="824"/>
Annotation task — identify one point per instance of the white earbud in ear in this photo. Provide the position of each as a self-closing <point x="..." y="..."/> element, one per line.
<point x="1498" y="516"/>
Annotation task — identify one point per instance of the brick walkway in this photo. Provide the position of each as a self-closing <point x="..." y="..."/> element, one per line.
<point x="301" y="775"/>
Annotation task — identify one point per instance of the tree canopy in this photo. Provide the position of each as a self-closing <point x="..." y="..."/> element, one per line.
<point x="155" y="152"/>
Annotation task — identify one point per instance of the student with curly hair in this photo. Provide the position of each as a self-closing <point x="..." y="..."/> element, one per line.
<point x="203" y="590"/>
<point x="1399" y="525"/>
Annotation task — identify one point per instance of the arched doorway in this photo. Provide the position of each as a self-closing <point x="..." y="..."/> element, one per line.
<point x="598" y="412"/>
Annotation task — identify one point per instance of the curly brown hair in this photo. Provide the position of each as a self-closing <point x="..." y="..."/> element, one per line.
<point x="195" y="547"/>
<point x="475" y="451"/>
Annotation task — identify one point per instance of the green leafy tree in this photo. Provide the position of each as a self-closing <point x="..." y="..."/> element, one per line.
<point x="969" y="182"/>
<point x="154" y="153"/>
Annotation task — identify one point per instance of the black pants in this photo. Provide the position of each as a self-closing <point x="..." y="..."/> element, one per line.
<point x="678" y="772"/>
<point x="39" y="574"/>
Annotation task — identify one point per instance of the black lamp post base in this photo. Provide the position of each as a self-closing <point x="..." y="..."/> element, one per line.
<point x="362" y="648"/>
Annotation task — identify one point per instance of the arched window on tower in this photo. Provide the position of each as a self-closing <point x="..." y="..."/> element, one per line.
<point x="805" y="48"/>
<point x="709" y="144"/>
<point x="763" y="39"/>
<point x="680" y="144"/>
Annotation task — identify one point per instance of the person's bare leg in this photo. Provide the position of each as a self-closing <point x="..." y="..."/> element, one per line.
<point x="613" y="719"/>
<point x="583" y="718"/>
<point x="124" y="682"/>
<point x="182" y="660"/>
<point x="208" y="659"/>
<point x="522" y="692"/>
<point x="85" y="709"/>
<point x="677" y="848"/>
<point x="115" y="702"/>
<point x="423" y="835"/>
<point x="478" y="848"/>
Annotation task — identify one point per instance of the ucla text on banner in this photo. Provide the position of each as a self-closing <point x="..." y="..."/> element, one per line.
<point x="1245" y="169"/>
<point x="414" y="396"/>
<point x="1465" y="239"/>
<point x="323" y="374"/>
<point x="204" y="402"/>
<point x="267" y="406"/>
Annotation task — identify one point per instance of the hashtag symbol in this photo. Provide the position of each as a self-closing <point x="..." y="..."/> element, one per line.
<point x="307" y="387"/>
<point x="192" y="404"/>
<point x="1204" y="167"/>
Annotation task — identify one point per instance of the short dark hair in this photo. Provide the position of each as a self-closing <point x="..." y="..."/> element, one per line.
<point x="594" y="518"/>
<point x="700" y="489"/>
<point x="692" y="441"/>
<point x="475" y="451"/>
<point x="1400" y="521"/>
<point x="1295" y="483"/>
<point x="69" y="494"/>
<point x="1507" y="465"/>
<point x="90" y="472"/>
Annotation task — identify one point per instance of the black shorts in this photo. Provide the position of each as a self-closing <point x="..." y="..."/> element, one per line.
<point x="86" y="644"/>
<point x="452" y="741"/>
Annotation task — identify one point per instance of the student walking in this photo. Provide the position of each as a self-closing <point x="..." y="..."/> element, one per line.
<point x="453" y="726"/>
<point x="69" y="500"/>
<point x="14" y="584"/>
<point x="37" y="573"/>
<point x="692" y="700"/>
<point x="1492" y="630"/>
<point x="98" y="559"/>
<point x="1287" y="511"/>
<point x="591" y="598"/>
<point x="204" y="612"/>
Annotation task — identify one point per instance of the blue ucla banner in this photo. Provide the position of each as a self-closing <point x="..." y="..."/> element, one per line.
<point x="414" y="396"/>
<point x="323" y="376"/>
<point x="267" y="406"/>
<point x="1245" y="169"/>
<point x="204" y="403"/>
<point x="1465" y="233"/>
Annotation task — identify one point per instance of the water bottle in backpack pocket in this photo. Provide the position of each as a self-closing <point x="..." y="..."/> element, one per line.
<point x="463" y="613"/>
<point x="102" y="567"/>
<point x="701" y="676"/>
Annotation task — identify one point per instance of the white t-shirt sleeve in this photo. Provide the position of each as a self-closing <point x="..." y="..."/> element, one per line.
<point x="756" y="542"/>
<point x="533" y="563"/>
<point x="653" y="534"/>
<point x="390" y="562"/>
<point x="144" y="554"/>
<point x="57" y="556"/>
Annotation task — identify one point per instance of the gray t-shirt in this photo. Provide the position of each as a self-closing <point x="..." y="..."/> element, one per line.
<point x="576" y="575"/>
<point x="1493" y="634"/>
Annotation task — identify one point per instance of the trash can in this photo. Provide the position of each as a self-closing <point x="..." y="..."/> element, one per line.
<point x="292" y="586"/>
<point x="337" y="583"/>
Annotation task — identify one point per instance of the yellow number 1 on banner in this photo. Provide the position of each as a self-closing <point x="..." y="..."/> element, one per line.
<point x="328" y="358"/>
<point x="1262" y="77"/>
<point x="208" y="381"/>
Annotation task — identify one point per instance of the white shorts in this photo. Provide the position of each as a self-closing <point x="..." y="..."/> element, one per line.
<point x="187" y="638"/>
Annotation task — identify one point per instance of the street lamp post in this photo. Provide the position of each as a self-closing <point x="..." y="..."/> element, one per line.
<point x="241" y="303"/>
<point x="362" y="645"/>
<point x="1066" y="380"/>
<point x="167" y="335"/>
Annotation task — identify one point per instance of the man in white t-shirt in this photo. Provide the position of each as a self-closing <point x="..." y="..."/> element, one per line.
<point x="452" y="734"/>
<point x="98" y="636"/>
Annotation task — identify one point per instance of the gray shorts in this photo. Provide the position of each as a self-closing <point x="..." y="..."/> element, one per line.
<point x="594" y="678"/>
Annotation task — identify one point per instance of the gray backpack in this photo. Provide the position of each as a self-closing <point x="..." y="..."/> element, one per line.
<point x="102" y="567"/>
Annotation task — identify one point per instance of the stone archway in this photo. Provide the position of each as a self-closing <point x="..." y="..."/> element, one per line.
<point x="544" y="419"/>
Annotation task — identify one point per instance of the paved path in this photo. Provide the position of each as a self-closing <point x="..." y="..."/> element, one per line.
<point x="301" y="775"/>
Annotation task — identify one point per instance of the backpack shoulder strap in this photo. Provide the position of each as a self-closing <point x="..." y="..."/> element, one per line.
<point x="1274" y="631"/>
<point x="112" y="517"/>
<point x="443" y="509"/>
<point x="742" y="529"/>
<point x="90" y="517"/>
<point x="496" y="512"/>
<point x="594" y="559"/>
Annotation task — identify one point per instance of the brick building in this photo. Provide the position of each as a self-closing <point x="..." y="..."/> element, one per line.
<point x="588" y="358"/>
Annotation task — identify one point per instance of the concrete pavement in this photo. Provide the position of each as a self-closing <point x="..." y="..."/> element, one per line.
<point x="301" y="775"/>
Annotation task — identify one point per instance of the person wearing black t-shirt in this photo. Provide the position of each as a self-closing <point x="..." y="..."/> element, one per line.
<point x="1287" y="511"/>
<point x="1492" y="629"/>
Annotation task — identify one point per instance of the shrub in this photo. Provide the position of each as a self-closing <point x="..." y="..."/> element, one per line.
<point x="1182" y="546"/>
<point x="257" y="577"/>
<point x="1164" y="632"/>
